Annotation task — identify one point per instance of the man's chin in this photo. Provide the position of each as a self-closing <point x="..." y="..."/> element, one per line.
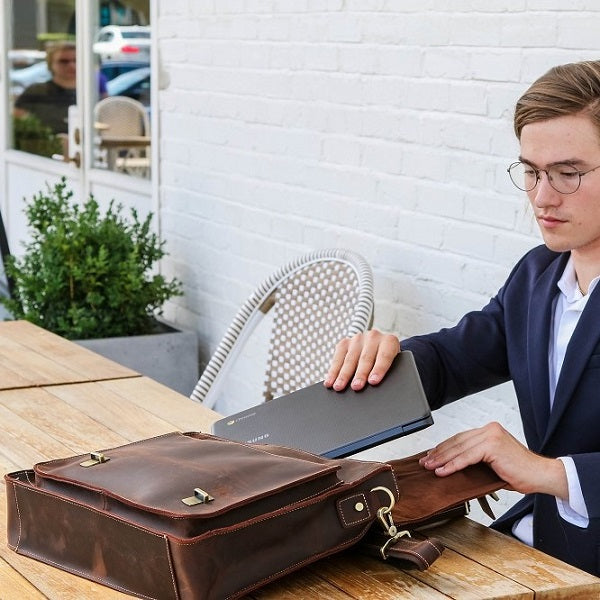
<point x="556" y="244"/>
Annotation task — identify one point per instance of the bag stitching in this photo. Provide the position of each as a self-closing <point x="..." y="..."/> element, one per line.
<point x="360" y="519"/>
<point x="415" y="553"/>
<point x="92" y="510"/>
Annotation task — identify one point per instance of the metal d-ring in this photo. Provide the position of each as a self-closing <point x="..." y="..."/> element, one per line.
<point x="386" y="511"/>
<point x="384" y="514"/>
<point x="380" y="488"/>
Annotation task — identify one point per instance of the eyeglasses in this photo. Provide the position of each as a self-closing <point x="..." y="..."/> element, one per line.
<point x="564" y="178"/>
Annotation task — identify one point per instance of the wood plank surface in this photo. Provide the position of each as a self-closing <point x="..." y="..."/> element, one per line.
<point x="182" y="413"/>
<point x="31" y="356"/>
<point x="452" y="575"/>
<point x="548" y="577"/>
<point x="373" y="578"/>
<point x="14" y="585"/>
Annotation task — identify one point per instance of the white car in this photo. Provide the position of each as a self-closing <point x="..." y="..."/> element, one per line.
<point x="120" y="42"/>
<point x="20" y="79"/>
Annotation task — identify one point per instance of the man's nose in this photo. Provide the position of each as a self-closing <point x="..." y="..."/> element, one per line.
<point x="543" y="193"/>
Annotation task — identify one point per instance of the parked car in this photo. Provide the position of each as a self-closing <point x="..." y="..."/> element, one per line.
<point x="121" y="42"/>
<point x="113" y="68"/>
<point x="133" y="84"/>
<point x="19" y="58"/>
<point x="22" y="78"/>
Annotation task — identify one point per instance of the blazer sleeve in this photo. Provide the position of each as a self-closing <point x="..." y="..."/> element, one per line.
<point x="464" y="359"/>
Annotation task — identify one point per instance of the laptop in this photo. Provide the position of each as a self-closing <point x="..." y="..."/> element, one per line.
<point x="337" y="424"/>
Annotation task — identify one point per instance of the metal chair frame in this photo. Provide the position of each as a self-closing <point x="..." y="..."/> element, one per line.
<point x="351" y="269"/>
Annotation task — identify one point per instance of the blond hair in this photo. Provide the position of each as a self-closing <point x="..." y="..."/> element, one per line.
<point x="568" y="89"/>
<point x="52" y="49"/>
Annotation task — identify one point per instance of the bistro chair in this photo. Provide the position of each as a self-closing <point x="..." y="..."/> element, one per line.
<point x="317" y="299"/>
<point x="123" y="126"/>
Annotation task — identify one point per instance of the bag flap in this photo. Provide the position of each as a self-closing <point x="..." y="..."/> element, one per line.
<point x="158" y="473"/>
<point x="423" y="494"/>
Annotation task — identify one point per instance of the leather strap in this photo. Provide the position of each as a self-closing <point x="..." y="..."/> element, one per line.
<point x="421" y="552"/>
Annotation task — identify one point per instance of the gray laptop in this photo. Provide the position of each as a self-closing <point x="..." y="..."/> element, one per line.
<point x="337" y="424"/>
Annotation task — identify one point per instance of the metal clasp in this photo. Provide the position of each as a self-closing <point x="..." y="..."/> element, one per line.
<point x="199" y="497"/>
<point x="96" y="458"/>
<point x="384" y="514"/>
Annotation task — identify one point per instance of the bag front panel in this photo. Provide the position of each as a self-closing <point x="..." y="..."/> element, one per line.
<point x="88" y="543"/>
<point x="231" y="562"/>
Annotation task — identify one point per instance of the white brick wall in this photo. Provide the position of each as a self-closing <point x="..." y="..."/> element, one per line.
<point x="380" y="126"/>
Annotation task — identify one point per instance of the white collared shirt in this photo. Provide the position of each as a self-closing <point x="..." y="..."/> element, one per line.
<point x="568" y="306"/>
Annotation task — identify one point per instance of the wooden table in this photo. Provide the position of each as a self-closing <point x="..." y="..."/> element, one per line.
<point x="58" y="399"/>
<point x="115" y="143"/>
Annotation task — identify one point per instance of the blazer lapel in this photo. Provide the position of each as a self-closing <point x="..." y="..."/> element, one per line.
<point x="583" y="341"/>
<point x="538" y="339"/>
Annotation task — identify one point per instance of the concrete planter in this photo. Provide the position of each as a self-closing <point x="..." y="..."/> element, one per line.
<point x="169" y="356"/>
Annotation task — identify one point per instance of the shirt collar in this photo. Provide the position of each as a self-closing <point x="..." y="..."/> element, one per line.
<point x="567" y="284"/>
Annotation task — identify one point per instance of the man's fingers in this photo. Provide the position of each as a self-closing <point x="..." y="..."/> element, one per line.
<point x="457" y="452"/>
<point x="337" y="361"/>
<point x="344" y="362"/>
<point x="387" y="350"/>
<point x="364" y="358"/>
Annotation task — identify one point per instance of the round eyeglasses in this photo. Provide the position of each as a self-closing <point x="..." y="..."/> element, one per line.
<point x="564" y="178"/>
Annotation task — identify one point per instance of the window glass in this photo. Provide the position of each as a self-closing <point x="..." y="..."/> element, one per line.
<point x="42" y="74"/>
<point x="121" y="48"/>
<point x="42" y="81"/>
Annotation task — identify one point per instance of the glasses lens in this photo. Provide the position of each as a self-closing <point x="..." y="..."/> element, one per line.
<point x="564" y="178"/>
<point x="523" y="176"/>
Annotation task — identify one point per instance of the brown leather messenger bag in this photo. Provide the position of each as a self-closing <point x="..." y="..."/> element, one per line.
<point x="190" y="516"/>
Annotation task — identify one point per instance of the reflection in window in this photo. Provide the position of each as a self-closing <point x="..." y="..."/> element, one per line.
<point x="122" y="119"/>
<point x="42" y="75"/>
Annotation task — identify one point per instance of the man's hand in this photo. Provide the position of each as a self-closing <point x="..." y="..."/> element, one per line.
<point x="364" y="358"/>
<point x="523" y="470"/>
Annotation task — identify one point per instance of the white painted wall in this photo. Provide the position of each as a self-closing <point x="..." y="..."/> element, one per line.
<point x="379" y="126"/>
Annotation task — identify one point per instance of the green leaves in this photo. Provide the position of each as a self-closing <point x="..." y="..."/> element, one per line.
<point x="86" y="274"/>
<point x="30" y="135"/>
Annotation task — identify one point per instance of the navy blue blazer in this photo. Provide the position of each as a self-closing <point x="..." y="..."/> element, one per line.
<point x="508" y="340"/>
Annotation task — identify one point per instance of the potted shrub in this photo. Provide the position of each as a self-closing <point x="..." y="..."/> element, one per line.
<point x="30" y="135"/>
<point x="89" y="276"/>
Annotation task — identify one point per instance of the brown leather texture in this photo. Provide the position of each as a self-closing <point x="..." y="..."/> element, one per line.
<point x="421" y="551"/>
<point x="122" y="522"/>
<point x="427" y="498"/>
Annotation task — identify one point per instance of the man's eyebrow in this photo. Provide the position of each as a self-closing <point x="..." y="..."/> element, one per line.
<point x="565" y="161"/>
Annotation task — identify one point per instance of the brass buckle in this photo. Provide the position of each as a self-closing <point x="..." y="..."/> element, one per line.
<point x="199" y="497"/>
<point x="96" y="458"/>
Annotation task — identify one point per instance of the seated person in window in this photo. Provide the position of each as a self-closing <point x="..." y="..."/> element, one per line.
<point x="50" y="101"/>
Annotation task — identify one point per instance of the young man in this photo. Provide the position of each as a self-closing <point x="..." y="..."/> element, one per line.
<point x="50" y="101"/>
<point x="541" y="331"/>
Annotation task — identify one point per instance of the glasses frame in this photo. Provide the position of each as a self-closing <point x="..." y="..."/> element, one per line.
<point x="537" y="176"/>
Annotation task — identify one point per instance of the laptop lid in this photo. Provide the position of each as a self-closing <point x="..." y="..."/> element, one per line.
<point x="336" y="424"/>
